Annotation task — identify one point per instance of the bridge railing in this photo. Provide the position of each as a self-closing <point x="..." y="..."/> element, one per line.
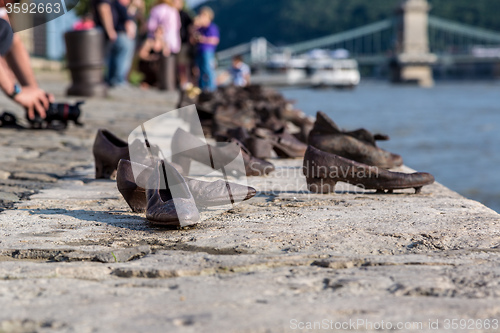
<point x="344" y="37"/>
<point x="374" y="40"/>
<point x="446" y="36"/>
<point x="242" y="49"/>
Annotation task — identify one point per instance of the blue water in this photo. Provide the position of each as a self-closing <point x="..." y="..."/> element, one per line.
<point x="451" y="130"/>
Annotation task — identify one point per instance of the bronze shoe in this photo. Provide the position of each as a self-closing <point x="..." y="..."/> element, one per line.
<point x="366" y="136"/>
<point x="205" y="194"/>
<point x="254" y="166"/>
<point x="133" y="189"/>
<point x="356" y="145"/>
<point x="299" y="119"/>
<point x="227" y="117"/>
<point x="187" y="147"/>
<point x="169" y="201"/>
<point x="323" y="170"/>
<point x="108" y="150"/>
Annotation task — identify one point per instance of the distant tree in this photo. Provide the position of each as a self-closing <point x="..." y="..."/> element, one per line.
<point x="289" y="21"/>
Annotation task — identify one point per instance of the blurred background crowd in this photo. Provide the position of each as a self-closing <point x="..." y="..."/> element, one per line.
<point x="164" y="46"/>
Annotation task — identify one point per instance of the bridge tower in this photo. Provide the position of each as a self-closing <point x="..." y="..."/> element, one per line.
<point x="412" y="61"/>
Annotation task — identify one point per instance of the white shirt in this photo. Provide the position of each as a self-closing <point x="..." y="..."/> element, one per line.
<point x="239" y="74"/>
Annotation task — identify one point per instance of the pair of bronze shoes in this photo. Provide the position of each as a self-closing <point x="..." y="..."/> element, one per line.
<point x="158" y="187"/>
<point x="169" y="199"/>
<point x="353" y="157"/>
<point x="323" y="170"/>
<point x="359" y="145"/>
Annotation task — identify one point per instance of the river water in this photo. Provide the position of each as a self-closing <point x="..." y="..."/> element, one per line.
<point x="451" y="130"/>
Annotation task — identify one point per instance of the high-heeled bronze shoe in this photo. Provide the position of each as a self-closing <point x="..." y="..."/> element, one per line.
<point x="187" y="147"/>
<point x="108" y="150"/>
<point x="205" y="194"/>
<point x="356" y="145"/>
<point x="323" y="170"/>
<point x="285" y="145"/>
<point x="169" y="200"/>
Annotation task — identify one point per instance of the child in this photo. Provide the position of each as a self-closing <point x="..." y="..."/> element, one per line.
<point x="240" y="72"/>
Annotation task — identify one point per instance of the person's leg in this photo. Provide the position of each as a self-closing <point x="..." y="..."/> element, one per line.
<point x="207" y="77"/>
<point x="129" y="48"/>
<point x="111" y="63"/>
<point x="201" y="68"/>
<point x="182" y="65"/>
<point x="212" y="86"/>
<point x="183" y="77"/>
<point x="123" y="51"/>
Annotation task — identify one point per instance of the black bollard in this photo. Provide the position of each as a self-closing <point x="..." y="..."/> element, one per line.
<point x="85" y="57"/>
<point x="167" y="75"/>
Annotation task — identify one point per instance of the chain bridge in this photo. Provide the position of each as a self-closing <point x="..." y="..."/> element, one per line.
<point x="407" y="46"/>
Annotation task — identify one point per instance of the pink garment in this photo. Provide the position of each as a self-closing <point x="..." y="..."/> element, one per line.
<point x="83" y="25"/>
<point x="169" y="19"/>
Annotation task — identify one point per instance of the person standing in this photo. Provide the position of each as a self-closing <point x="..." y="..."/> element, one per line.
<point x="119" y="29"/>
<point x="165" y="14"/>
<point x="207" y="37"/>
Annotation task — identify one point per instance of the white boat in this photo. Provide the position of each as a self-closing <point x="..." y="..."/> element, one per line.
<point x="340" y="73"/>
<point x="318" y="68"/>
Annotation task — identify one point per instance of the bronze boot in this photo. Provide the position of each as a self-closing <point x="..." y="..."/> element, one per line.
<point x="323" y="170"/>
<point x="356" y="145"/>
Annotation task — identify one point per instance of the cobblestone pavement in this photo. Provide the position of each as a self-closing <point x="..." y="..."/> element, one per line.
<point x="73" y="258"/>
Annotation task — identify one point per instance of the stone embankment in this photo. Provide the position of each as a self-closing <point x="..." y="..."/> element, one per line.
<point x="74" y="258"/>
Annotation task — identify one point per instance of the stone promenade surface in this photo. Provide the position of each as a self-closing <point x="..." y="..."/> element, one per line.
<point x="73" y="258"/>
